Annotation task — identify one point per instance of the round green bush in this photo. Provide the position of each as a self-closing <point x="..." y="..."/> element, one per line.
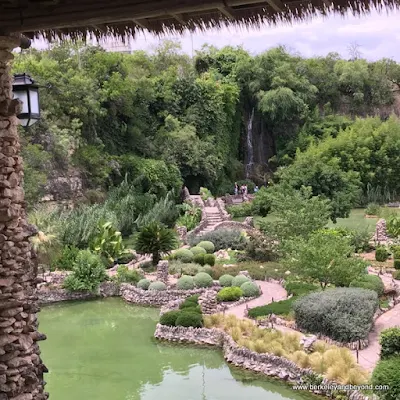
<point x="203" y="280"/>
<point x="143" y="284"/>
<point x="207" y="269"/>
<point x="184" y="255"/>
<point x="371" y="282"/>
<point x="250" y="289"/>
<point x="209" y="259"/>
<point x="387" y="373"/>
<point x="192" y="308"/>
<point x="226" y="280"/>
<point x="238" y="280"/>
<point x="185" y="282"/>
<point x="230" y="294"/>
<point x="190" y="269"/>
<point x="390" y="342"/>
<point x="381" y="254"/>
<point x="396" y="274"/>
<point x="198" y="250"/>
<point x="158" y="286"/>
<point x="169" y="318"/>
<point x="188" y="319"/>
<point x="396" y="264"/>
<point x="207" y="246"/>
<point x="199" y="258"/>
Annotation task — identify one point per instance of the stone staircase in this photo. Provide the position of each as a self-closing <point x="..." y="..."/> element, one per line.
<point x="212" y="218"/>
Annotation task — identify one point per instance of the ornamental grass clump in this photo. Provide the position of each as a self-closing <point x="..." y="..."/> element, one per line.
<point x="335" y="363"/>
<point x="203" y="280"/>
<point x="143" y="284"/>
<point x="226" y="280"/>
<point x="185" y="283"/>
<point x="343" y="314"/>
<point x="157" y="286"/>
<point x="238" y="280"/>
<point x="250" y="289"/>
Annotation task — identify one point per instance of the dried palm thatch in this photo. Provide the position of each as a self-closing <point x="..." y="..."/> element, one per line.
<point x="79" y="19"/>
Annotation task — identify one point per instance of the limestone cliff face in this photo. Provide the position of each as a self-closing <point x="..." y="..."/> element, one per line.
<point x="64" y="186"/>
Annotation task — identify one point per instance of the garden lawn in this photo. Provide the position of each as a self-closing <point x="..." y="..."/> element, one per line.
<point x="356" y="221"/>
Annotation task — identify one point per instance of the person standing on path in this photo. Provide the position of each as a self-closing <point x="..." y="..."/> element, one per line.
<point x="236" y="189"/>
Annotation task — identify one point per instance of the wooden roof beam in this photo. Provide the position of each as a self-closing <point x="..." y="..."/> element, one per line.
<point x="227" y="11"/>
<point x="277" y="5"/>
<point x="142" y="23"/>
<point x="179" y="18"/>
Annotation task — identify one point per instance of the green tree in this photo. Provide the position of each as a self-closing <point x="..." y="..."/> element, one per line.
<point x="297" y="213"/>
<point x="325" y="258"/>
<point x="155" y="239"/>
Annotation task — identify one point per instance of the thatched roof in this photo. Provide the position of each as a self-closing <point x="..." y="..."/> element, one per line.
<point x="78" y="18"/>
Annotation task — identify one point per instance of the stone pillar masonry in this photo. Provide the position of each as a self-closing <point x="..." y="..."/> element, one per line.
<point x="21" y="368"/>
<point x="162" y="271"/>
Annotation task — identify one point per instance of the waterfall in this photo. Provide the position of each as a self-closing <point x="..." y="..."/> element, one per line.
<point x="249" y="142"/>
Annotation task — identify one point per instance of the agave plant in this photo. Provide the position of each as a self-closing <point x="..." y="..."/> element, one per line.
<point x="155" y="239"/>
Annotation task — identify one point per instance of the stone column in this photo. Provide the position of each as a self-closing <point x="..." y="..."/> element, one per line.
<point x="162" y="271"/>
<point x="21" y="368"/>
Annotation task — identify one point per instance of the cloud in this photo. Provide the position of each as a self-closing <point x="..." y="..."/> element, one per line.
<point x="378" y="35"/>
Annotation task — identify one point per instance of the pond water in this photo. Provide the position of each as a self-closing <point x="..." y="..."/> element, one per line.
<point x="102" y="350"/>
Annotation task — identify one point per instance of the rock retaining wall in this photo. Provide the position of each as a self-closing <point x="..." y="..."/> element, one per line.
<point x="266" y="364"/>
<point x="154" y="298"/>
<point x="55" y="295"/>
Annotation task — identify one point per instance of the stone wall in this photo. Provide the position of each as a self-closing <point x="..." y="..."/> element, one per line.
<point x="266" y="364"/>
<point x="221" y="207"/>
<point x="58" y="294"/>
<point x="233" y="225"/>
<point x="21" y="368"/>
<point x="154" y="298"/>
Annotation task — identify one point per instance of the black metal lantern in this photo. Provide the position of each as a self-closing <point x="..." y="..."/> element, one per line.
<point x="27" y="91"/>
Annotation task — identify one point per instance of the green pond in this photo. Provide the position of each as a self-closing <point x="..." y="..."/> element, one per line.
<point x="102" y="350"/>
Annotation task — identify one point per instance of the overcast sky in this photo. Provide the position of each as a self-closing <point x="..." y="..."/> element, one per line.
<point x="378" y="36"/>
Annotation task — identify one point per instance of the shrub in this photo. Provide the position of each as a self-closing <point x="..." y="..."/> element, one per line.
<point x="203" y="280"/>
<point x="199" y="258"/>
<point x="169" y="318"/>
<point x="238" y="280"/>
<point x="390" y="342"/>
<point x="222" y="239"/>
<point x="250" y="289"/>
<point x="226" y="280"/>
<point x="188" y="319"/>
<point x="155" y="239"/>
<point x="387" y="373"/>
<point x="205" y="194"/>
<point x="184" y="255"/>
<point x="185" y="283"/>
<point x="198" y="250"/>
<point x="190" y="269"/>
<point x="381" y="254"/>
<point x="230" y="294"/>
<point x="207" y="269"/>
<point x="193" y="299"/>
<point x="158" y="286"/>
<point x="395" y="250"/>
<point x="87" y="273"/>
<point x="282" y="307"/>
<point x="66" y="260"/>
<point x="396" y="264"/>
<point x="207" y="246"/>
<point x="371" y="282"/>
<point x="143" y="284"/>
<point x="372" y="209"/>
<point x="343" y="314"/>
<point x="209" y="259"/>
<point x="260" y="248"/>
<point x="396" y="274"/>
<point x="125" y="275"/>
<point x="393" y="225"/>
<point x="191" y="307"/>
<point x="240" y="210"/>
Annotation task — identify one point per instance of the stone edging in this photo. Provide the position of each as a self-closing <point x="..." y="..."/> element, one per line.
<point x="266" y="364"/>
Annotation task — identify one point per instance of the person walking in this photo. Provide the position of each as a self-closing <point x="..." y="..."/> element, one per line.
<point x="256" y="189"/>
<point x="236" y="189"/>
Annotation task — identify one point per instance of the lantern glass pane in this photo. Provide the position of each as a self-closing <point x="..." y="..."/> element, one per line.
<point x="24" y="122"/>
<point x="34" y="97"/>
<point x="22" y="95"/>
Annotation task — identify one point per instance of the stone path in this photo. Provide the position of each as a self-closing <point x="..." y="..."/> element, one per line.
<point x="370" y="356"/>
<point x="271" y="291"/>
<point x="214" y="217"/>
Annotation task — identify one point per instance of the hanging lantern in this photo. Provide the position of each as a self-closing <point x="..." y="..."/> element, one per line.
<point x="27" y="91"/>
